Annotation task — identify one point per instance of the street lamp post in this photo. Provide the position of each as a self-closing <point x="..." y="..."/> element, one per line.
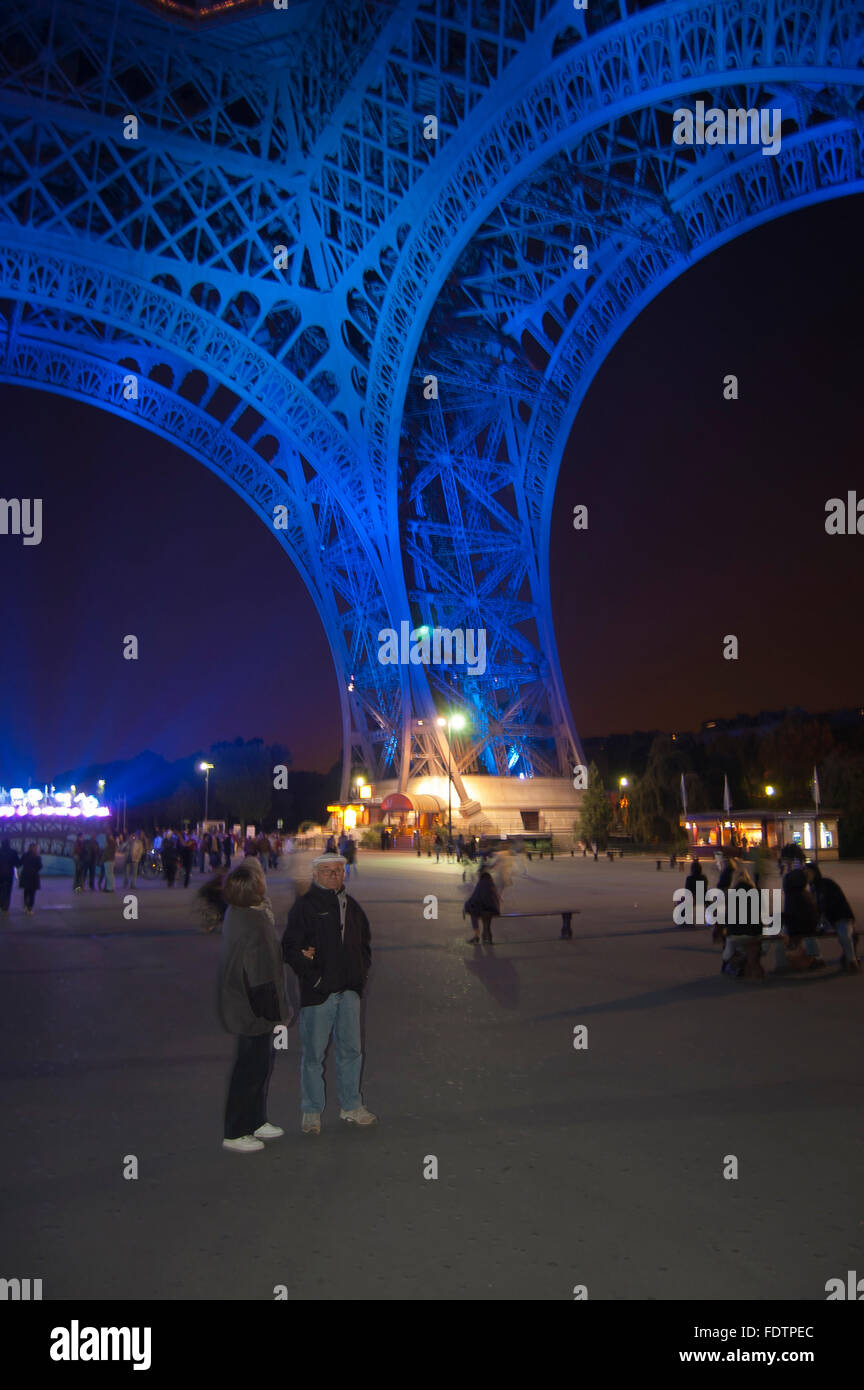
<point x="453" y="721"/>
<point x="206" y="768"/>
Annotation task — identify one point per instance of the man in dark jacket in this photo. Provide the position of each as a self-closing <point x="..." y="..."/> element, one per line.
<point x="833" y="906"/>
<point x="800" y="913"/>
<point x="327" y="943"/>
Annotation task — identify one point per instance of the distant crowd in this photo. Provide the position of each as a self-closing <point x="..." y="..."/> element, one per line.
<point x="121" y="857"/>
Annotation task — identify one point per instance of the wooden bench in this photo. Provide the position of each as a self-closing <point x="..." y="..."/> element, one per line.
<point x="566" y="931"/>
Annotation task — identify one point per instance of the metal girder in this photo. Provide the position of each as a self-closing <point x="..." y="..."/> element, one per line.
<point x="405" y="258"/>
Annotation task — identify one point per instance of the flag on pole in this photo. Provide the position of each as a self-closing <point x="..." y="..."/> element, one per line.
<point x="727" y="803"/>
<point x="816" y="794"/>
<point x="683" y="794"/>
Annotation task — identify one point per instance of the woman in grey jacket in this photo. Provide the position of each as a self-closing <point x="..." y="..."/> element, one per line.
<point x="252" y="1002"/>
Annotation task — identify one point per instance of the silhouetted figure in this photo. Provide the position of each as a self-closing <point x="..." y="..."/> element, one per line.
<point x="187" y="859"/>
<point x="9" y="862"/>
<point x="28" y="877"/>
<point x="483" y="904"/>
<point x="170" y="858"/>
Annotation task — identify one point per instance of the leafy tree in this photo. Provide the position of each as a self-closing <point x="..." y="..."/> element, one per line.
<point x="789" y="754"/>
<point x="655" y="804"/>
<point x="841" y="784"/>
<point x="241" y="784"/>
<point x="596" y="812"/>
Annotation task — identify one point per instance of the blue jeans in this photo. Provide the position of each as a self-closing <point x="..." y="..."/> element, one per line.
<point x="339" y="1015"/>
<point x="844" y="936"/>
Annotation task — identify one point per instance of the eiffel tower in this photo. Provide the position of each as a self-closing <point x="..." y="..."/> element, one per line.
<point x="333" y="252"/>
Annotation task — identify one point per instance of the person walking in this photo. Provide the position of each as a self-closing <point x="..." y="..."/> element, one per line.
<point x="93" y="854"/>
<point x="121" y="856"/>
<point x="106" y="860"/>
<point x="483" y="904"/>
<point x="439" y="845"/>
<point x="252" y="1002"/>
<point x="350" y="853"/>
<point x="170" y="859"/>
<point x="10" y="860"/>
<point x="187" y="858"/>
<point x="227" y="848"/>
<point x="133" y="863"/>
<point x="79" y="860"/>
<point x="327" y="943"/>
<point x="28" y="877"/>
<point x="693" y="878"/>
<point x="833" y="907"/>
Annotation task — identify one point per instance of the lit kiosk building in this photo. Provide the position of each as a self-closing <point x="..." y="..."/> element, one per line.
<point x="52" y="821"/>
<point x="816" y="833"/>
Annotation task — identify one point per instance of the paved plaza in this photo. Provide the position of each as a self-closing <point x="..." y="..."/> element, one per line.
<point x="557" y="1167"/>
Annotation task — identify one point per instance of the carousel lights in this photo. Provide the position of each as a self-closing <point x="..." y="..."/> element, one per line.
<point x="16" y="802"/>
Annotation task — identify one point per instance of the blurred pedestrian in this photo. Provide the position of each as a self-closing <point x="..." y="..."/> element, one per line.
<point x="187" y="858"/>
<point x="106" y="861"/>
<point x="93" y="854"/>
<point x="28" y="877"/>
<point x="483" y="904"/>
<point x="350" y="855"/>
<point x="170" y="858"/>
<point x="133" y="863"/>
<point x="9" y="862"/>
<point x="694" y="877"/>
<point x="79" y="860"/>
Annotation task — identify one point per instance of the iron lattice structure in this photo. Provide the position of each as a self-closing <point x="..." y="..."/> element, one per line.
<point x="282" y="259"/>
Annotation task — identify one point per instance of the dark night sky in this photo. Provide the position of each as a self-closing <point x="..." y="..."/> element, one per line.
<point x="706" y="518"/>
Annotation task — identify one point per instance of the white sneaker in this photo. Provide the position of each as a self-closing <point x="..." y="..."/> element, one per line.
<point x="360" y="1116"/>
<point x="268" y="1131"/>
<point x="245" y="1145"/>
<point x="311" y="1123"/>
